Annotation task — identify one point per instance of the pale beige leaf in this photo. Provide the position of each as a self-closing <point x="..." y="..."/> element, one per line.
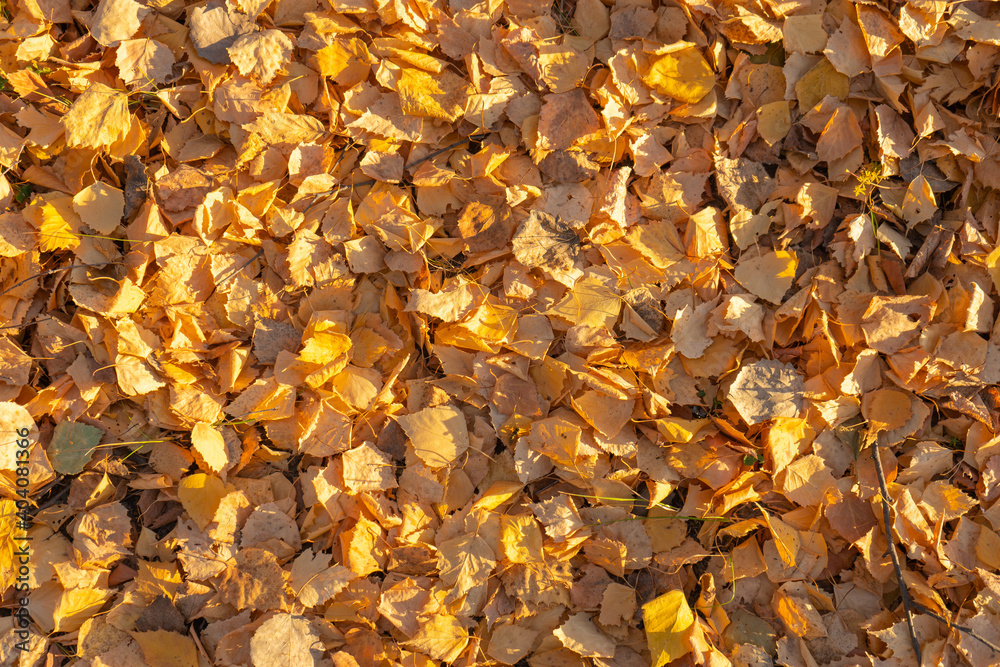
<point x="100" y="206"/>
<point x="580" y="635"/>
<point x="144" y="63"/>
<point x="286" y="639"/>
<point x="768" y="275"/>
<point x="116" y="20"/>
<point x="439" y="435"/>
<point x="98" y="118"/>
<point x="465" y="562"/>
<point x="765" y="390"/>
<point x="260" y="55"/>
<point x="449" y="305"/>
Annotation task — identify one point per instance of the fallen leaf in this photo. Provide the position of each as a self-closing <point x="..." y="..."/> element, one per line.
<point x="215" y="27"/>
<point x="286" y="639"/>
<point x="144" y="63"/>
<point x="774" y="120"/>
<point x="767" y="275"/>
<point x="668" y="621"/>
<point x="260" y="55"/>
<point x="117" y="20"/>
<point x="72" y="446"/>
<point x="100" y="207"/>
<point x="441" y="636"/>
<point x="580" y="635"/>
<point x="161" y="648"/>
<point x="464" y="562"/>
<point x="542" y="241"/>
<point x="200" y="494"/>
<point x="591" y="303"/>
<point x="440" y="96"/>
<point x="681" y="73"/>
<point x="209" y="448"/>
<point x="98" y="118"/>
<point x="766" y="390"/>
<point x="439" y="435"/>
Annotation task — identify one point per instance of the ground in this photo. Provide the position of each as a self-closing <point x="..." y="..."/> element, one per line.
<point x="358" y="332"/>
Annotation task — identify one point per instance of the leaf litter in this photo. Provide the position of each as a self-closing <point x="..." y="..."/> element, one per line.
<point x="354" y="333"/>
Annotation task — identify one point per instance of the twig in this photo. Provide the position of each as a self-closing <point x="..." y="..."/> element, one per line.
<point x="887" y="519"/>
<point x="232" y="274"/>
<point x="372" y="181"/>
<point x="53" y="500"/>
<point x="343" y="154"/>
<point x="42" y="274"/>
<point x="431" y="156"/>
<point x="969" y="631"/>
<point x="18" y="326"/>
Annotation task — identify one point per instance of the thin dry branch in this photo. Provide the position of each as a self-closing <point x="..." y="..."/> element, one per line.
<point x="969" y="631"/>
<point x="887" y="519"/>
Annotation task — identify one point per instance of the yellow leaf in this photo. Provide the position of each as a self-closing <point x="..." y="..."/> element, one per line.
<point x="441" y="636"/>
<point x="497" y="494"/>
<point x="769" y="275"/>
<point x="510" y="643"/>
<point x="162" y="648"/>
<point x="324" y="346"/>
<point x="684" y="75"/>
<point x="668" y="620"/>
<point x="808" y="482"/>
<point x="208" y="447"/>
<point x="432" y="96"/>
<point x="887" y="409"/>
<point x="580" y="635"/>
<point x="786" y="539"/>
<point x="820" y="81"/>
<point x="325" y="349"/>
<point x="363" y="547"/>
<point x="785" y="439"/>
<point x="590" y="303"/>
<point x="58" y="224"/>
<point x="100" y="207"/>
<point x="988" y="548"/>
<point x="366" y="468"/>
<point x="358" y="387"/>
<point x="607" y="414"/>
<point x="200" y="495"/>
<point x="993" y="266"/>
<point x="798" y="615"/>
<point x="450" y="304"/>
<point x="563" y="67"/>
<point x="675" y="429"/>
<point x="774" y="120"/>
<point x="346" y="61"/>
<point x="143" y="63"/>
<point x="98" y="118"/>
<point x="484" y="329"/>
<point x="919" y="204"/>
<point x="406" y="58"/>
<point x="76" y="605"/>
<point x="261" y="54"/>
<point x="439" y="435"/>
<point x="522" y="538"/>
<point x="465" y="562"/>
